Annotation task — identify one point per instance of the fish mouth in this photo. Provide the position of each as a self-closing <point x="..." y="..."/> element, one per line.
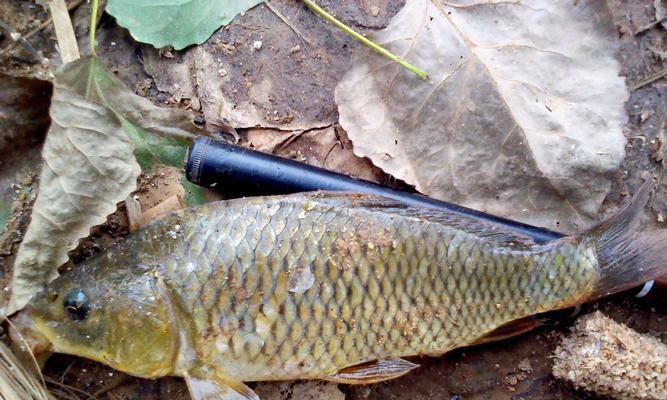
<point x="23" y="332"/>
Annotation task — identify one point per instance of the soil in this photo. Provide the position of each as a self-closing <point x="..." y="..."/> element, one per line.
<point x="518" y="368"/>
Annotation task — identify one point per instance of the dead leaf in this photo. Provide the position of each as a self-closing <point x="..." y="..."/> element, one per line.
<point x="90" y="165"/>
<point x="325" y="148"/>
<point x="522" y="116"/>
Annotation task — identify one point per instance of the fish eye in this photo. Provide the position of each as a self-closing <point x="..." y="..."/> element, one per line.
<point x="77" y="305"/>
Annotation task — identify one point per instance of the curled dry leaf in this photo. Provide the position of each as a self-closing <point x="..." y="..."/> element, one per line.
<point x="522" y="116"/>
<point x="90" y="165"/>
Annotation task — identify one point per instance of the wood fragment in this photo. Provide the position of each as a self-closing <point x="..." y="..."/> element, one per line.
<point x="172" y="203"/>
<point x="69" y="48"/>
<point x="610" y="359"/>
<point x="133" y="210"/>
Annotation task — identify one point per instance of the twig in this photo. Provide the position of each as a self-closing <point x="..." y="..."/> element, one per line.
<point x="18" y="39"/>
<point x="110" y="386"/>
<point x="43" y="26"/>
<point x="288" y="23"/>
<point x="645" y="28"/>
<point x="69" y="48"/>
<point x="367" y="42"/>
<point x="290" y="139"/>
<point x="71" y="390"/>
<point x="658" y="75"/>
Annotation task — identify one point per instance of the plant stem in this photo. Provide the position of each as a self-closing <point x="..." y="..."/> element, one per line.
<point x="367" y="42"/>
<point x="93" y="24"/>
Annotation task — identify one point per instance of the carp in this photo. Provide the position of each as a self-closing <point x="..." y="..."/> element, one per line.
<point x="332" y="286"/>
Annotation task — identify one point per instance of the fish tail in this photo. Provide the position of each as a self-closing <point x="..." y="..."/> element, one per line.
<point x="628" y="256"/>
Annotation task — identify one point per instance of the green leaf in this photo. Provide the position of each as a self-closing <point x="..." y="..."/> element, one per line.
<point x="177" y="23"/>
<point x="194" y="194"/>
<point x="101" y="137"/>
<point x="150" y="149"/>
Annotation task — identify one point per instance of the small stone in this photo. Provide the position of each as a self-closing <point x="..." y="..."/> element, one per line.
<point x="257" y="45"/>
<point x="512" y="379"/>
<point x="524" y="365"/>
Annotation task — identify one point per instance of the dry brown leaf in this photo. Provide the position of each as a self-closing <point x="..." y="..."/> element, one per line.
<point x="99" y="129"/>
<point x="522" y="115"/>
<point x="327" y="148"/>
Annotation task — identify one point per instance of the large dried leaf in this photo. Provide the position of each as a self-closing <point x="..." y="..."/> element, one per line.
<point x="522" y="116"/>
<point x="325" y="148"/>
<point x="176" y="23"/>
<point x="90" y="165"/>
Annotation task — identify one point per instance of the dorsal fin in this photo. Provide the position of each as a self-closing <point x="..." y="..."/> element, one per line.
<point x="482" y="229"/>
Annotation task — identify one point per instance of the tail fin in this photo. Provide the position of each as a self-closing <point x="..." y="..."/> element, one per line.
<point x="627" y="256"/>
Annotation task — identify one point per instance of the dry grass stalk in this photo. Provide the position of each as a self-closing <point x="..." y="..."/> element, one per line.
<point x="16" y="382"/>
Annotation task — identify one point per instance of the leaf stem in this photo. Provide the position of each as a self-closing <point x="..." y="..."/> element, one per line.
<point x="367" y="42"/>
<point x="93" y="24"/>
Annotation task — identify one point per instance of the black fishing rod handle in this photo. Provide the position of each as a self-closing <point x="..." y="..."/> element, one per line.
<point x="244" y="172"/>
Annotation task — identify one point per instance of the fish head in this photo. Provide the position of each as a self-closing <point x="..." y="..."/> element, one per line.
<point x="121" y="317"/>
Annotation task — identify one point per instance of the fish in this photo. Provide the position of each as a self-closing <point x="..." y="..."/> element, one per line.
<point x="331" y="286"/>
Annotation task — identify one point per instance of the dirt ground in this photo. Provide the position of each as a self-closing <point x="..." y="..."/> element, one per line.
<point x="304" y="127"/>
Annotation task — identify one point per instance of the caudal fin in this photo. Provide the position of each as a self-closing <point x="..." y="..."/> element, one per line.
<point x="627" y="256"/>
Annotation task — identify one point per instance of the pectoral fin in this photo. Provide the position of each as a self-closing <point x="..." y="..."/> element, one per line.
<point x="373" y="371"/>
<point x="218" y="389"/>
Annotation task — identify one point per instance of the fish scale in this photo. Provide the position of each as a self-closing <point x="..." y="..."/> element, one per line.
<point x="384" y="284"/>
